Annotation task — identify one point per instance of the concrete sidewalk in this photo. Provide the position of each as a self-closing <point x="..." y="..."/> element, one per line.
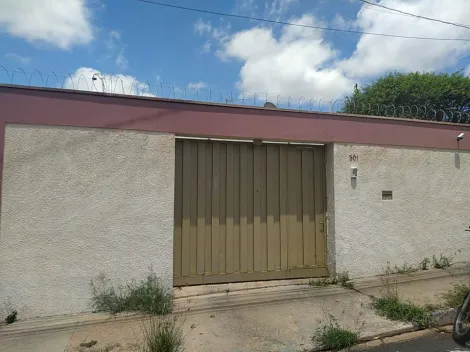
<point x="268" y="316"/>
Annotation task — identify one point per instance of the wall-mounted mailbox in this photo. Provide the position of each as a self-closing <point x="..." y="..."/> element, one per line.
<point x="353" y="172"/>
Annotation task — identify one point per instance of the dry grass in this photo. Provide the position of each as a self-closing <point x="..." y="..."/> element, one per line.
<point x="148" y="297"/>
<point x="163" y="334"/>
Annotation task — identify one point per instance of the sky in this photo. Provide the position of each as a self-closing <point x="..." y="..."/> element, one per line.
<point x="134" y="47"/>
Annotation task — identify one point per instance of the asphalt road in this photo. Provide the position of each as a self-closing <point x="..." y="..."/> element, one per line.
<point x="429" y="343"/>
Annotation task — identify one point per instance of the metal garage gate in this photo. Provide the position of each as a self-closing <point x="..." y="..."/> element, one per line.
<point x="246" y="212"/>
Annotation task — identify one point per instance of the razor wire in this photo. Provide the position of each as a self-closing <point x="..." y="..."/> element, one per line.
<point x="127" y="85"/>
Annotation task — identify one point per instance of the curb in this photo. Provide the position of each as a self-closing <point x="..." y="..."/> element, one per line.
<point x="444" y="317"/>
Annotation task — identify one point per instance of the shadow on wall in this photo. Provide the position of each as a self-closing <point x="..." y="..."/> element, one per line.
<point x="353" y="183"/>
<point x="457" y="160"/>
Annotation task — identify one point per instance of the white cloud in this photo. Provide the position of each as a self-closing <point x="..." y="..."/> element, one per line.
<point x="207" y="47"/>
<point x="82" y="79"/>
<point x="202" y="27"/>
<point x="300" y="62"/>
<point x="297" y="63"/>
<point x="276" y="8"/>
<point x="246" y="7"/>
<point x="63" y="23"/>
<point x="122" y="61"/>
<point x="377" y="55"/>
<point x="216" y="34"/>
<point x="116" y="49"/>
<point x="197" y="85"/>
<point x="341" y="23"/>
<point x="467" y="71"/>
<point x="24" y="60"/>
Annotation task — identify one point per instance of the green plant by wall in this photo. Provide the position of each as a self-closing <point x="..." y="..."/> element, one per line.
<point x="148" y="297"/>
<point x="341" y="279"/>
<point x="424" y="265"/>
<point x="442" y="263"/>
<point x="11" y="317"/>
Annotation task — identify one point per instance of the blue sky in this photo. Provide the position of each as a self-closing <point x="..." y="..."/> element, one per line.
<point x="167" y="47"/>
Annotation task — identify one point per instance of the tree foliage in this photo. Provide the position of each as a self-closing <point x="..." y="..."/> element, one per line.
<point x="425" y="96"/>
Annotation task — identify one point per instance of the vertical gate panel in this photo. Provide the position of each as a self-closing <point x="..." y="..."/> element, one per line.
<point x="283" y="217"/>
<point x="250" y="194"/>
<point x="208" y="216"/>
<point x="272" y="201"/>
<point x="193" y="207"/>
<point x="263" y="246"/>
<point x="229" y="209"/>
<point x="257" y="209"/>
<point x="222" y="234"/>
<point x="243" y="208"/>
<point x="186" y="226"/>
<point x="320" y="231"/>
<point x="236" y="208"/>
<point x="215" y="208"/>
<point x="201" y="207"/>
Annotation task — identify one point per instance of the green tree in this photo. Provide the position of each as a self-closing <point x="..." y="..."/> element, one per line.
<point x="425" y="96"/>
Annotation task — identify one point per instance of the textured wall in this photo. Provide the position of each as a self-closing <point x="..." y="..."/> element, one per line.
<point x="77" y="203"/>
<point x="427" y="216"/>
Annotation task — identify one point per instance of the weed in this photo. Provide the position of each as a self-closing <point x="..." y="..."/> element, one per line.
<point x="12" y="317"/>
<point x="163" y="335"/>
<point x="405" y="269"/>
<point x="348" y="284"/>
<point x="108" y="348"/>
<point x="393" y="308"/>
<point x="149" y="297"/>
<point x="341" y="279"/>
<point x="320" y="283"/>
<point x="424" y="265"/>
<point x="432" y="307"/>
<point x="332" y="336"/>
<point x="89" y="344"/>
<point x="441" y="263"/>
<point x="455" y="297"/>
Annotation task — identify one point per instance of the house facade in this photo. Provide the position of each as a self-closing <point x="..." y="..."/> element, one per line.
<point x="99" y="184"/>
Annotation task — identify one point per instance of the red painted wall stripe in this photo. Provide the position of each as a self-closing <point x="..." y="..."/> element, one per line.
<point x="71" y="108"/>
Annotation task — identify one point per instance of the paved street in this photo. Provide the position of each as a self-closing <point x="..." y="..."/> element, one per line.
<point x="429" y="343"/>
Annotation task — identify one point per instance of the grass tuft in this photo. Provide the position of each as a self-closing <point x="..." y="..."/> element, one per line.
<point x="424" y="265"/>
<point x="455" y="297"/>
<point x="405" y="269"/>
<point x="148" y="297"/>
<point x="341" y="279"/>
<point x="163" y="335"/>
<point x="89" y="344"/>
<point x="442" y="263"/>
<point x="12" y="317"/>
<point x="332" y="336"/>
<point x="393" y="308"/>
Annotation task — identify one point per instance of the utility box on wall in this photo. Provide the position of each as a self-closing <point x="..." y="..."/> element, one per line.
<point x="353" y="172"/>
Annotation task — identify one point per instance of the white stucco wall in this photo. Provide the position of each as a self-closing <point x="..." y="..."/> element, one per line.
<point x="77" y="203"/>
<point x="427" y="216"/>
